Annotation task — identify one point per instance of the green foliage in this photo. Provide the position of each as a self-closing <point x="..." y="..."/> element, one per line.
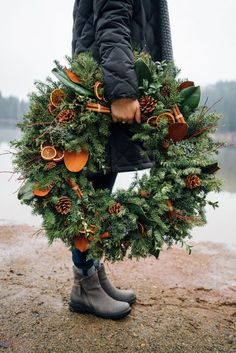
<point x="144" y="222"/>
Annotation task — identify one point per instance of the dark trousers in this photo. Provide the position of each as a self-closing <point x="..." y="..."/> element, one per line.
<point x="99" y="182"/>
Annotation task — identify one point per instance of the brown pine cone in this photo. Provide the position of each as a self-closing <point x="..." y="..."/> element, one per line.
<point x="147" y="106"/>
<point x="165" y="91"/>
<point x="144" y="193"/>
<point x="64" y="205"/>
<point x="166" y="144"/>
<point x="66" y="116"/>
<point x="48" y="166"/>
<point x="126" y="244"/>
<point x="192" y="181"/>
<point x="114" y="209"/>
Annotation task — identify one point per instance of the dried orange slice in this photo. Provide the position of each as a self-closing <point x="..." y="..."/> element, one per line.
<point x="105" y="235"/>
<point x="52" y="109"/>
<point x="56" y="97"/>
<point x="75" y="161"/>
<point x="152" y="121"/>
<point x="72" y="76"/>
<point x="97" y="91"/>
<point x="59" y="156"/>
<point x="81" y="243"/>
<point x="48" y="153"/>
<point x="167" y="116"/>
<point x="42" y="192"/>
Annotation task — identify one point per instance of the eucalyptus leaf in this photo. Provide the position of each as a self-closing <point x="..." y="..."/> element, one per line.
<point x="26" y="192"/>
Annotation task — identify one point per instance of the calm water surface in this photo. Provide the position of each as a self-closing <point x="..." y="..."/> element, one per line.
<point x="221" y="226"/>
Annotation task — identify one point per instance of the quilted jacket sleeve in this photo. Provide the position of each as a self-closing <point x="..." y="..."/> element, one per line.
<point x="112" y="22"/>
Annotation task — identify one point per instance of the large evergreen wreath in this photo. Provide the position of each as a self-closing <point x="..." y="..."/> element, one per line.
<point x="64" y="136"/>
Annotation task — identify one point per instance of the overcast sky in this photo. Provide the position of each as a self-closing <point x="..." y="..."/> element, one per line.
<point x="35" y="32"/>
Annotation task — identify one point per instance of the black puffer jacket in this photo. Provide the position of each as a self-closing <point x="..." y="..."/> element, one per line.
<point x="109" y="28"/>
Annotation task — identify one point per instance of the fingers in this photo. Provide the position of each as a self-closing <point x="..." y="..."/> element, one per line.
<point x="119" y="119"/>
<point x="125" y="111"/>
<point x="138" y="115"/>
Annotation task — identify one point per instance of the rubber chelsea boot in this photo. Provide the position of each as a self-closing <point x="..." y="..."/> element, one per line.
<point x="117" y="294"/>
<point x="88" y="296"/>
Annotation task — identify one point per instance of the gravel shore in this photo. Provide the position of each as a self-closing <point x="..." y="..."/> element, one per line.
<point x="186" y="303"/>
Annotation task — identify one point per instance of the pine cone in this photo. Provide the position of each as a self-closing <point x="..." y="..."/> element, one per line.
<point x="144" y="193"/>
<point x="49" y="165"/>
<point x="166" y="144"/>
<point x="66" y="116"/>
<point x="126" y="244"/>
<point x="192" y="181"/>
<point x="114" y="209"/>
<point x="165" y="91"/>
<point x="64" y="205"/>
<point x="147" y="106"/>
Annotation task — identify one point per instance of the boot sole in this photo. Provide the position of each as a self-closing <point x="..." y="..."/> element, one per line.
<point x="85" y="310"/>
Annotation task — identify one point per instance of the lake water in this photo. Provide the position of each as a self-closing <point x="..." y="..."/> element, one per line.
<point x="221" y="226"/>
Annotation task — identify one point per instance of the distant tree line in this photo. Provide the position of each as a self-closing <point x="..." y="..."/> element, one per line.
<point x="225" y="91"/>
<point x="12" y="109"/>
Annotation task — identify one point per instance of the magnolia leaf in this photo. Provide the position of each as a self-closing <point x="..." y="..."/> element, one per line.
<point x="211" y="168"/>
<point x="26" y="192"/>
<point x="143" y="72"/>
<point x="61" y="76"/>
<point x="190" y="97"/>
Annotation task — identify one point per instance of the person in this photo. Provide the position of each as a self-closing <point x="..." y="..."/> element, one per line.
<point x="109" y="29"/>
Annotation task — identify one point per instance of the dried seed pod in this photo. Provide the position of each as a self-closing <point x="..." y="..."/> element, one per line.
<point x="75" y="161"/>
<point x="49" y="165"/>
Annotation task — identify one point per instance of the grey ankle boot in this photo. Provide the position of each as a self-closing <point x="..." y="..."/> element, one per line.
<point x="117" y="294"/>
<point x="87" y="296"/>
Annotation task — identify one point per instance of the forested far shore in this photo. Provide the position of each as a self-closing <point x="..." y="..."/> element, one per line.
<point x="12" y="110"/>
<point x="221" y="95"/>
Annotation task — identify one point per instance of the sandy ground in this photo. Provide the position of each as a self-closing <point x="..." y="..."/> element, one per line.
<point x="186" y="303"/>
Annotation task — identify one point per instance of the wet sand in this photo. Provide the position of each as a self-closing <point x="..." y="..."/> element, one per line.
<point x="186" y="303"/>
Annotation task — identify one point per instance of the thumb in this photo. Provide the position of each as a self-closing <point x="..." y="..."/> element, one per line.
<point x="138" y="115"/>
